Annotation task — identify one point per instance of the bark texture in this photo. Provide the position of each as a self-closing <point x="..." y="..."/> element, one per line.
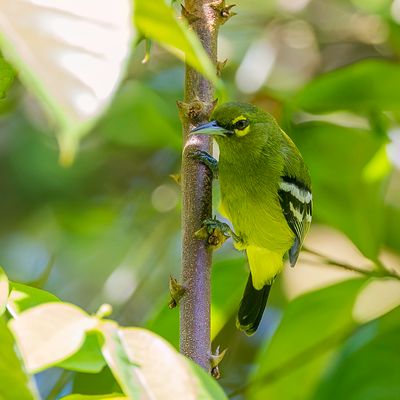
<point x="205" y="17"/>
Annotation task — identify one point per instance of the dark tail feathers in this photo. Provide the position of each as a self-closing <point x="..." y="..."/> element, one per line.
<point x="252" y="307"/>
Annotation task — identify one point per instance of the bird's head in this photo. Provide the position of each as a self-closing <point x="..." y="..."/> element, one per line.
<point x="238" y="127"/>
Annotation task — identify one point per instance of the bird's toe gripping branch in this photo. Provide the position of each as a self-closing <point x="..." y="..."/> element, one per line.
<point x="206" y="159"/>
<point x="216" y="233"/>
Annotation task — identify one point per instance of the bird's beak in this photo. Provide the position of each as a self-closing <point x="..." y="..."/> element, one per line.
<point x="210" y="128"/>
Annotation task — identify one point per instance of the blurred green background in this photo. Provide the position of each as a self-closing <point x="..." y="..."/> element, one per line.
<point x="110" y="224"/>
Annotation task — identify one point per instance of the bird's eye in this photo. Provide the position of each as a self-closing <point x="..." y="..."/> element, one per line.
<point x="241" y="124"/>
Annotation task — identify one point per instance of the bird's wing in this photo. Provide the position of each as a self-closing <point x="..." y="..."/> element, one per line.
<point x="296" y="202"/>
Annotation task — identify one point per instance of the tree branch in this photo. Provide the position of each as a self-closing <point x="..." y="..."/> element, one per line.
<point x="205" y="17"/>
<point x="380" y="272"/>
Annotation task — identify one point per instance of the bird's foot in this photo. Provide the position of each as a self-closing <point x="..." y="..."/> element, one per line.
<point x="206" y="159"/>
<point x="216" y="233"/>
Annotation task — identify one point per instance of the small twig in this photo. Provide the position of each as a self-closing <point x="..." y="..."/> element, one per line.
<point x="381" y="272"/>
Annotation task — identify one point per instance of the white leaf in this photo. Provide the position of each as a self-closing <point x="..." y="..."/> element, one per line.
<point x="71" y="54"/>
<point x="50" y="333"/>
<point x="166" y="374"/>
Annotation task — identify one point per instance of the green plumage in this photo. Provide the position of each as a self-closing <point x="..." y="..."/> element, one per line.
<point x="265" y="193"/>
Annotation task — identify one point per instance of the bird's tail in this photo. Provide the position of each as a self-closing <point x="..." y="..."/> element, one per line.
<point x="252" y="307"/>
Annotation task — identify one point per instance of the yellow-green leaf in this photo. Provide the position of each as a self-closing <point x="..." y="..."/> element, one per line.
<point x="23" y="297"/>
<point x="4" y="289"/>
<point x="15" y="383"/>
<point x="95" y="397"/>
<point x="157" y="21"/>
<point x="7" y="75"/>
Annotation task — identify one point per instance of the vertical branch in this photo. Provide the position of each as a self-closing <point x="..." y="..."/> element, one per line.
<point x="205" y="16"/>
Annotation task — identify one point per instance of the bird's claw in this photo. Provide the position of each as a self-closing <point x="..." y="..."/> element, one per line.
<point x="216" y="233"/>
<point x="206" y="159"/>
<point x="213" y="232"/>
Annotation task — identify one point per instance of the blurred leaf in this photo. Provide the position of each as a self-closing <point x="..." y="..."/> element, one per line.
<point x="340" y="188"/>
<point x="71" y="55"/>
<point x="168" y="375"/>
<point x="87" y="359"/>
<point x="207" y="387"/>
<point x="7" y="75"/>
<point x="378" y="167"/>
<point x="95" y="384"/>
<point x="15" y="384"/>
<point x="165" y="322"/>
<point x="23" y="297"/>
<point x="4" y="289"/>
<point x="312" y="325"/>
<point x="392" y="233"/>
<point x="370" y="371"/>
<point x="364" y="87"/>
<point x="147" y="366"/>
<point x="229" y="278"/>
<point x="140" y="117"/>
<point x="95" y="397"/>
<point x="157" y="21"/>
<point x="126" y="372"/>
<point x="50" y="333"/>
<point x="374" y="6"/>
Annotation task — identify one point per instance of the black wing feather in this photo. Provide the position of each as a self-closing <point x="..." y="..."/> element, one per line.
<point x="296" y="202"/>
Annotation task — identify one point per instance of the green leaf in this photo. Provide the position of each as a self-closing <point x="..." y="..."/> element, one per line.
<point x="208" y="386"/>
<point x="370" y="371"/>
<point x="229" y="277"/>
<point x="340" y="185"/>
<point x="96" y="384"/>
<point x="22" y="297"/>
<point x="7" y="75"/>
<point x="50" y="333"/>
<point x="125" y="371"/>
<point x="312" y="325"/>
<point x="73" y="70"/>
<point x="157" y="21"/>
<point x="87" y="359"/>
<point x="155" y="121"/>
<point x="4" y="289"/>
<point x="15" y="383"/>
<point x="167" y="374"/>
<point x="381" y="7"/>
<point x="113" y="396"/>
<point x="363" y="87"/>
<point x="165" y="323"/>
<point x="146" y="366"/>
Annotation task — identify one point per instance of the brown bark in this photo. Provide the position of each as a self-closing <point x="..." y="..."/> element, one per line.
<point x="204" y="16"/>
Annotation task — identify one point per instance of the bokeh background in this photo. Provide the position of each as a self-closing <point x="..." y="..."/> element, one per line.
<point x="107" y="229"/>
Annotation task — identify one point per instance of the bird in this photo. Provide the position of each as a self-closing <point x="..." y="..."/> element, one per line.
<point x="266" y="194"/>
